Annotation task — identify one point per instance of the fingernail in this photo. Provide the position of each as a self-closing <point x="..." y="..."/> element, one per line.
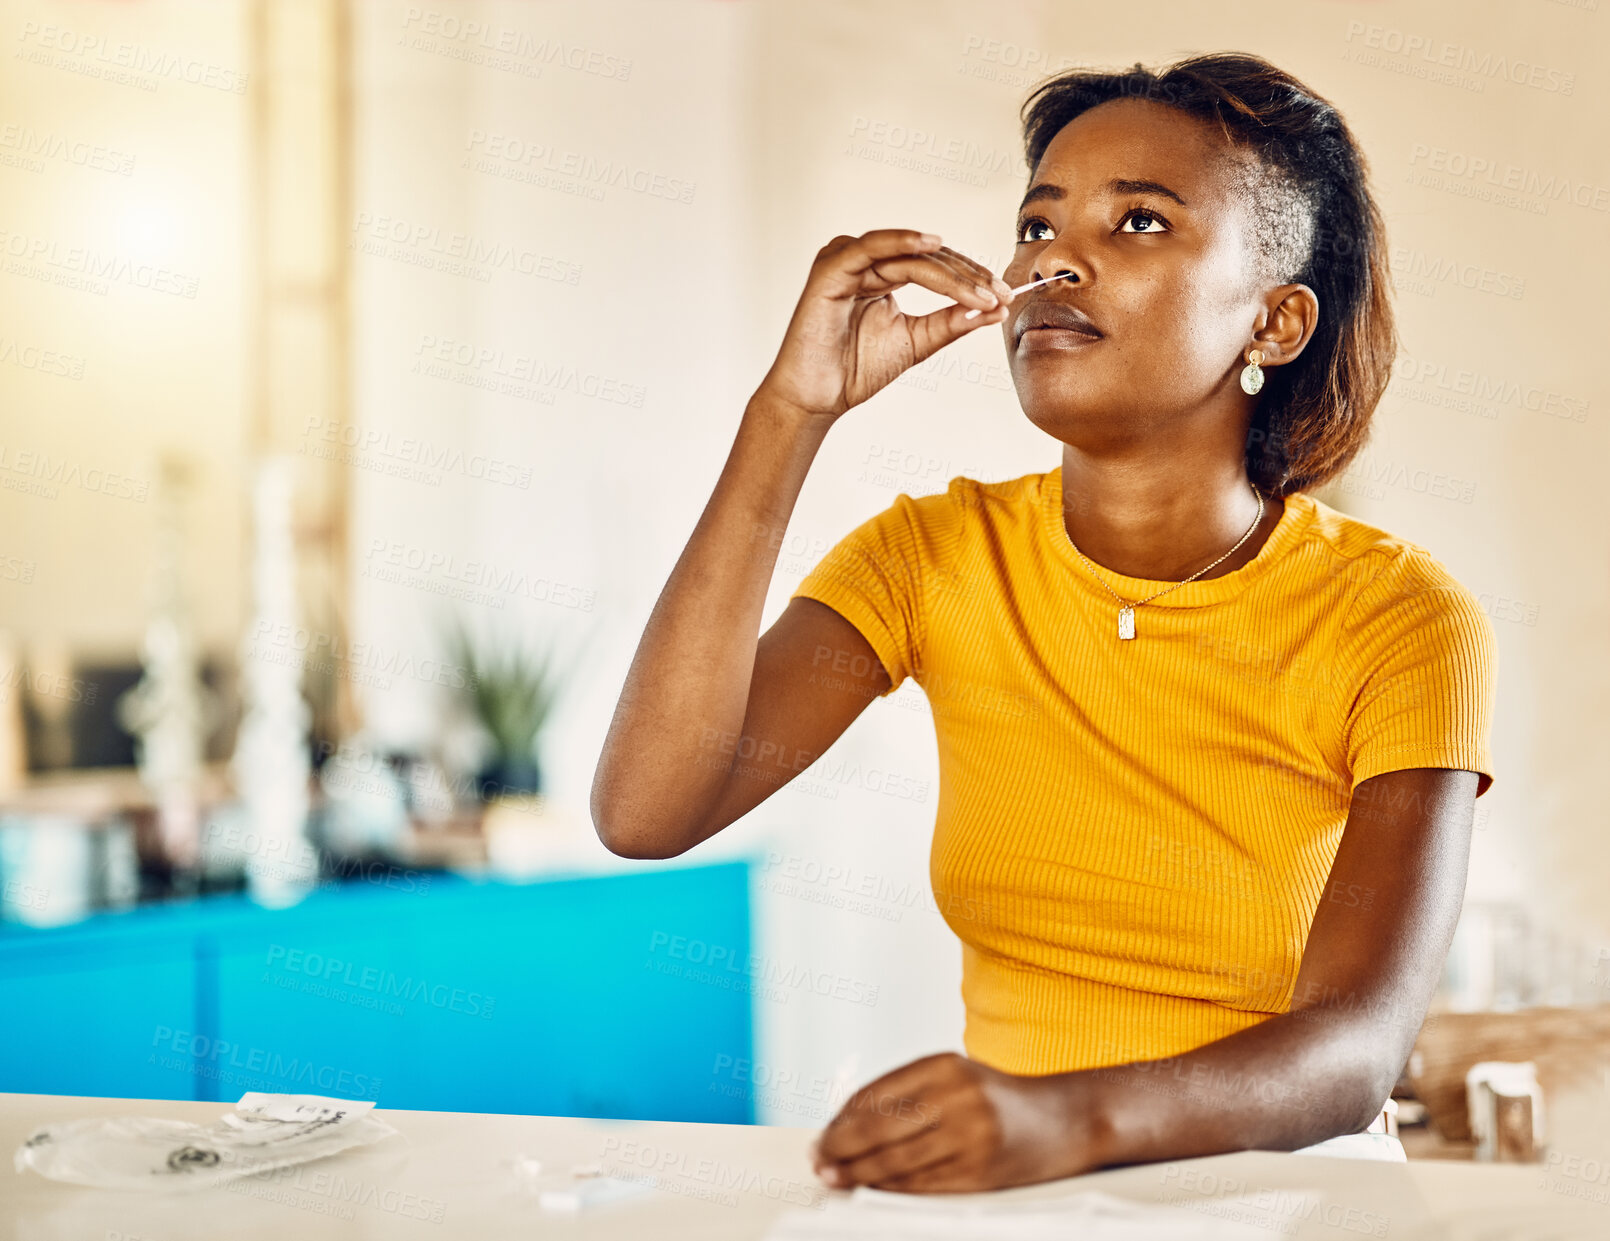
<point x="931" y="239"/>
<point x="994" y="299"/>
<point x="1003" y="289"/>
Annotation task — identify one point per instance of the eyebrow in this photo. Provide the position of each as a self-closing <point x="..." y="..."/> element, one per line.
<point x="1118" y="185"/>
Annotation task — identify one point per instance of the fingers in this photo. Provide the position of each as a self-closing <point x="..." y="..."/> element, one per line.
<point x="977" y="271"/>
<point x="922" y="1151"/>
<point x="941" y="275"/>
<point x="885" y="259"/>
<point x="953" y="1175"/>
<point x="857" y="254"/>
<point x="932" y="332"/>
<point x="893" y="1107"/>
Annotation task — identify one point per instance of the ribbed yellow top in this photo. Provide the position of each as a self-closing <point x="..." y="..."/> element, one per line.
<point x="1132" y="836"/>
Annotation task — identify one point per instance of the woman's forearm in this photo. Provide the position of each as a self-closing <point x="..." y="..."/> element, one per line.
<point x="689" y="681"/>
<point x="949" y="1123"/>
<point x="664" y="767"/>
<point x="1288" y="1082"/>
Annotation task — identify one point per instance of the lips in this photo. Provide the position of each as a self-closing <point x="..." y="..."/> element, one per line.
<point x="1045" y="313"/>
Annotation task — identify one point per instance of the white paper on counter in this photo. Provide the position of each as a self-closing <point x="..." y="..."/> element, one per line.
<point x="264" y="1132"/>
<point x="872" y="1215"/>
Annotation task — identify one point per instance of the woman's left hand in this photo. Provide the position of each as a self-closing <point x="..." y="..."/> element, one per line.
<point x="947" y="1124"/>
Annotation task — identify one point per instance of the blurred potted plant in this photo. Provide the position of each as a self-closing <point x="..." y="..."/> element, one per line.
<point x="512" y="691"/>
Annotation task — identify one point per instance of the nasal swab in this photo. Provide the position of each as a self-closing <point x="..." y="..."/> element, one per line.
<point x="1022" y="288"/>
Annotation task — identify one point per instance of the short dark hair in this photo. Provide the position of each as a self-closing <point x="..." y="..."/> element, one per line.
<point x="1316" y="224"/>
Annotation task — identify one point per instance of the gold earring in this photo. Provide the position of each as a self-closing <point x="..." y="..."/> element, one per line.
<point x="1252" y="373"/>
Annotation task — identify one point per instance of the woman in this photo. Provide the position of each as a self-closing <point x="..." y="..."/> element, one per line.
<point x="1209" y="748"/>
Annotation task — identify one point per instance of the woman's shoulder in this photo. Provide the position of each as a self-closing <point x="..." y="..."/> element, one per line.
<point x="1395" y="584"/>
<point x="998" y="501"/>
<point x="1371" y="554"/>
<point x="966" y="501"/>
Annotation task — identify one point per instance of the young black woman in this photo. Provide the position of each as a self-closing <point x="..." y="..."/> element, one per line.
<point x="1209" y="748"/>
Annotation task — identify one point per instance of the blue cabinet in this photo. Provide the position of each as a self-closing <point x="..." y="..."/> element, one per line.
<point x="92" y="1022"/>
<point x="545" y="998"/>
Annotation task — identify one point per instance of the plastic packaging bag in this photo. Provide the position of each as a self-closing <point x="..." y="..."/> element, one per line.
<point x="265" y="1131"/>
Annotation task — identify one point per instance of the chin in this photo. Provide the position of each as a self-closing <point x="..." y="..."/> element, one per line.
<point x="1064" y="414"/>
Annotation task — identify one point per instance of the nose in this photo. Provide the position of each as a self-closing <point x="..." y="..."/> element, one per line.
<point x="1058" y="269"/>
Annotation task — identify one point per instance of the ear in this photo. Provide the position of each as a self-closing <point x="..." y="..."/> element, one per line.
<point x="1290" y="315"/>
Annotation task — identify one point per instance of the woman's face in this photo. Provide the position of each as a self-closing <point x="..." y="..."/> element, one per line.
<point x="1138" y="201"/>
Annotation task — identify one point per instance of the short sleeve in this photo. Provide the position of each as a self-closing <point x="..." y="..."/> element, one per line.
<point x="876" y="578"/>
<point x="1419" y="661"/>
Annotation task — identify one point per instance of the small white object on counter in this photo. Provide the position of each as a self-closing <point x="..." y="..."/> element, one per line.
<point x="586" y="1192"/>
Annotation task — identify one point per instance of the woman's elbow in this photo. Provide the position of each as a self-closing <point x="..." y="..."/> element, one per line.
<point x="629" y="839"/>
<point x="1362" y="1094"/>
<point x="628" y="845"/>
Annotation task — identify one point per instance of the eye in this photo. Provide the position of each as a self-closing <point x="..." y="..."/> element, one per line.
<point x="1151" y="219"/>
<point x="1028" y="222"/>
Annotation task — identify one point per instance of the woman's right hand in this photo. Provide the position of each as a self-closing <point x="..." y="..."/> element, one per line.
<point x="848" y="339"/>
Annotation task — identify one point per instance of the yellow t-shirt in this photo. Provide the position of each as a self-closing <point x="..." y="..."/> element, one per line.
<point x="1132" y="836"/>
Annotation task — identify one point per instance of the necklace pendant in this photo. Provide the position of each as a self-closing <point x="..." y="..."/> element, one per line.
<point x="1126" y="622"/>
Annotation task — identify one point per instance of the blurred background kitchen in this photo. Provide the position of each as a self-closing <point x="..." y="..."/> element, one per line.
<point x="363" y="371"/>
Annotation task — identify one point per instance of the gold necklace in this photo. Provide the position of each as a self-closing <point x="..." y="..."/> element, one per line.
<point x="1126" y="613"/>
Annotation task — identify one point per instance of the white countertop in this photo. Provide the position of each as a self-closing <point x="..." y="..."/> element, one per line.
<point x="452" y="1175"/>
